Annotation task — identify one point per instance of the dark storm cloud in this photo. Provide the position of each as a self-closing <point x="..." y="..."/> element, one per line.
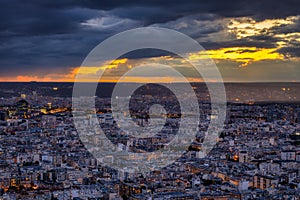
<point x="196" y="26"/>
<point x="241" y="51"/>
<point x="290" y="51"/>
<point x="287" y="28"/>
<point x="237" y="43"/>
<point x="21" y="19"/>
<point x="23" y="54"/>
<point x="35" y="16"/>
<point x="172" y="9"/>
<point x="46" y="33"/>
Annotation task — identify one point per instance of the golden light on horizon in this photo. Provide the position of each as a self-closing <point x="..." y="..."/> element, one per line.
<point x="243" y="55"/>
<point x="114" y="69"/>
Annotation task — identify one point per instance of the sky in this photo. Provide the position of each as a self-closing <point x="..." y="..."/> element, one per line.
<point x="250" y="41"/>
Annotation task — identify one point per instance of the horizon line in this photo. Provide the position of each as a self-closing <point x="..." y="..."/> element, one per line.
<point x="150" y="82"/>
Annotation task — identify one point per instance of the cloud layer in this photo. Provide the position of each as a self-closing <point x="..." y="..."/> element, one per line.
<point x="40" y="38"/>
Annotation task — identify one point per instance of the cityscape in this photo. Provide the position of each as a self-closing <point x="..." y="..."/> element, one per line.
<point x="257" y="155"/>
<point x="149" y="100"/>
